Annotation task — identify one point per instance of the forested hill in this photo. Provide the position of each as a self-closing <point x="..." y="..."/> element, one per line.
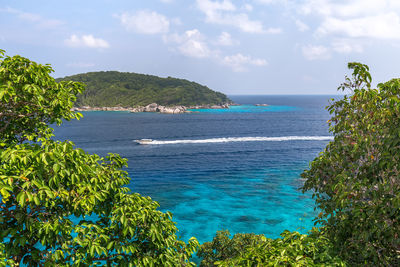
<point x="113" y="88"/>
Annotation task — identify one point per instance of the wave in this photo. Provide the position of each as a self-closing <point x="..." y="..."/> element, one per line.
<point x="242" y="139"/>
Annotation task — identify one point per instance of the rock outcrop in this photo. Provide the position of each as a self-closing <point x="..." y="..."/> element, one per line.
<point x="153" y="107"/>
<point x="210" y="106"/>
<point x="173" y="110"/>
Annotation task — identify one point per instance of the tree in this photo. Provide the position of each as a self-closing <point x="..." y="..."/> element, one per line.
<point x="112" y="88"/>
<point x="31" y="99"/>
<point x="355" y="180"/>
<point x="292" y="249"/>
<point x="222" y="247"/>
<point x="60" y="205"/>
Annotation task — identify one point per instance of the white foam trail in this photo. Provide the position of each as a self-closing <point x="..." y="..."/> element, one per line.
<point x="243" y="139"/>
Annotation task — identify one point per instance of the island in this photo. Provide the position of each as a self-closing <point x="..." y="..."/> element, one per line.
<point x="134" y="92"/>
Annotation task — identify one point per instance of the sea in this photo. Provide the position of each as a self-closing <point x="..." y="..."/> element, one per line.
<point x="235" y="169"/>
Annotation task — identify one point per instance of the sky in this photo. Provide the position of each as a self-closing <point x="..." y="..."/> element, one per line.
<point x="231" y="46"/>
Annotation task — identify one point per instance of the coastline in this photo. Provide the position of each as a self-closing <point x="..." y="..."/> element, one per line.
<point x="154" y="107"/>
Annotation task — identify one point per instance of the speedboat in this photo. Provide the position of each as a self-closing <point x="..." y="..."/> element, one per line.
<point x="144" y="141"/>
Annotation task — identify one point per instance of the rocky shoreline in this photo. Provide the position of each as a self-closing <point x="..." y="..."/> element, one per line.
<point x="154" y="107"/>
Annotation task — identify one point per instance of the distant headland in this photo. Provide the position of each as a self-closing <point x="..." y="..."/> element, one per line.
<point x="123" y="91"/>
<point x="153" y="107"/>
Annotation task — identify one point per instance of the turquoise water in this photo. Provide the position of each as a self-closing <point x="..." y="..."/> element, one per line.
<point x="248" y="109"/>
<point x="215" y="206"/>
<point x="236" y="169"/>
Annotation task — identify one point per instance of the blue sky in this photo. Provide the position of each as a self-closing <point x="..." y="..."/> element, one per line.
<point x="232" y="46"/>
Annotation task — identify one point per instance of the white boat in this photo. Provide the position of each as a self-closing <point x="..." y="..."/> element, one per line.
<point x="144" y="141"/>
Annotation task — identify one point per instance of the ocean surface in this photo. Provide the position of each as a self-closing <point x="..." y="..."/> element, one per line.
<point x="236" y="169"/>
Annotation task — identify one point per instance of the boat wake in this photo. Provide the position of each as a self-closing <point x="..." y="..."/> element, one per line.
<point x="242" y="139"/>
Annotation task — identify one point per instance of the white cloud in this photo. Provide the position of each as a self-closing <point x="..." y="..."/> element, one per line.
<point x="86" y="41"/>
<point x="223" y="13"/>
<point x="192" y="44"/>
<point x="315" y="52"/>
<point x="301" y="26"/>
<point x="349" y="8"/>
<point x="144" y="21"/>
<point x="383" y="26"/>
<point x="346" y="46"/>
<point x="36" y="19"/>
<point x="349" y="25"/>
<point x="239" y="62"/>
<point x="225" y="39"/>
<point x="210" y="8"/>
<point x="375" y="19"/>
<point x="242" y="22"/>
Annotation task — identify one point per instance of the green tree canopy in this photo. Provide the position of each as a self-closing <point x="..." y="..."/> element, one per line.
<point x="292" y="249"/>
<point x="30" y="99"/>
<point x="60" y="205"/>
<point x="356" y="180"/>
<point x="113" y="88"/>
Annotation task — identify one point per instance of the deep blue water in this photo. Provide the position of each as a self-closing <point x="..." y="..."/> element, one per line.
<point x="239" y="184"/>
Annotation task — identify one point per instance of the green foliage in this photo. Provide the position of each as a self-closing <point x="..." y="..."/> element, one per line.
<point x="292" y="249"/>
<point x="61" y="206"/>
<point x="30" y="99"/>
<point x="222" y="247"/>
<point x="356" y="179"/>
<point x="3" y="260"/>
<point x="112" y="88"/>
